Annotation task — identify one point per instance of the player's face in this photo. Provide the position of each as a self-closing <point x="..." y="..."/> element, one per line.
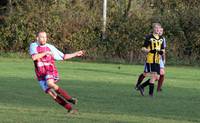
<point x="42" y="38"/>
<point x="156" y="29"/>
<point x="160" y="31"/>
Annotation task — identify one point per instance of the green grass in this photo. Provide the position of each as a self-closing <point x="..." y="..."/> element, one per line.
<point x="105" y="94"/>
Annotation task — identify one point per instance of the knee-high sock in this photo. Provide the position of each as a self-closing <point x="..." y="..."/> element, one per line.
<point x="140" y="79"/>
<point x="160" y="82"/>
<point x="151" y="88"/>
<point x="63" y="93"/>
<point x="63" y="103"/>
<point x="145" y="83"/>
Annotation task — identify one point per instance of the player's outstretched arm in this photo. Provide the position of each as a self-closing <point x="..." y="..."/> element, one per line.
<point x="75" y="54"/>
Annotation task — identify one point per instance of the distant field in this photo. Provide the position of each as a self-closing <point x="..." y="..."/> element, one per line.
<point x="105" y="94"/>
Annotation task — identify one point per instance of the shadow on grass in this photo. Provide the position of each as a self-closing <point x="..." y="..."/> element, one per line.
<point x="107" y="98"/>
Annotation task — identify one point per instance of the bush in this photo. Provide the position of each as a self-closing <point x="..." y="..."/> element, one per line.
<point x="74" y="25"/>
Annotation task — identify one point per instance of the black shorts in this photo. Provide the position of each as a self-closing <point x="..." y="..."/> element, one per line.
<point x="152" y="67"/>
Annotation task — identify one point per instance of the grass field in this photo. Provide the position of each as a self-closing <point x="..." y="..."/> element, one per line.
<point x="105" y="95"/>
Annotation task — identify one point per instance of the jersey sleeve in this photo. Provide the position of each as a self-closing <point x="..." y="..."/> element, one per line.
<point x="58" y="55"/>
<point x="33" y="49"/>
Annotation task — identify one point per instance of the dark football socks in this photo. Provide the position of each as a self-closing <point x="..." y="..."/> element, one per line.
<point x="145" y="83"/>
<point x="62" y="102"/>
<point x="160" y="82"/>
<point x="140" y="79"/>
<point x="63" y="93"/>
<point x="151" y="89"/>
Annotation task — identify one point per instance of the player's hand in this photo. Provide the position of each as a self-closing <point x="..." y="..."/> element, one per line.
<point x="80" y="53"/>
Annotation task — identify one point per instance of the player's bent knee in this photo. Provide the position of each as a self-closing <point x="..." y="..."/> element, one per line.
<point x="55" y="87"/>
<point x="51" y="84"/>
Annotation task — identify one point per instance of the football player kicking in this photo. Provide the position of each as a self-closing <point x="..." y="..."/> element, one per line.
<point x="44" y="56"/>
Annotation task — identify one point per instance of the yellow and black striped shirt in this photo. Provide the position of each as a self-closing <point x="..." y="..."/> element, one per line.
<point x="153" y="42"/>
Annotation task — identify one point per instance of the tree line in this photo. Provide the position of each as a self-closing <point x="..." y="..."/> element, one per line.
<point x="77" y="24"/>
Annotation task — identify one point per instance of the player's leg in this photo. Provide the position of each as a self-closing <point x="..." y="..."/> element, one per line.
<point x="59" y="100"/>
<point x="147" y="70"/>
<point x="161" y="79"/>
<point x="162" y="73"/>
<point x="140" y="79"/>
<point x="154" y="77"/>
<point x="60" y="91"/>
<point x="155" y="68"/>
<point x="142" y="86"/>
<point x="146" y="83"/>
<point x="54" y="95"/>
